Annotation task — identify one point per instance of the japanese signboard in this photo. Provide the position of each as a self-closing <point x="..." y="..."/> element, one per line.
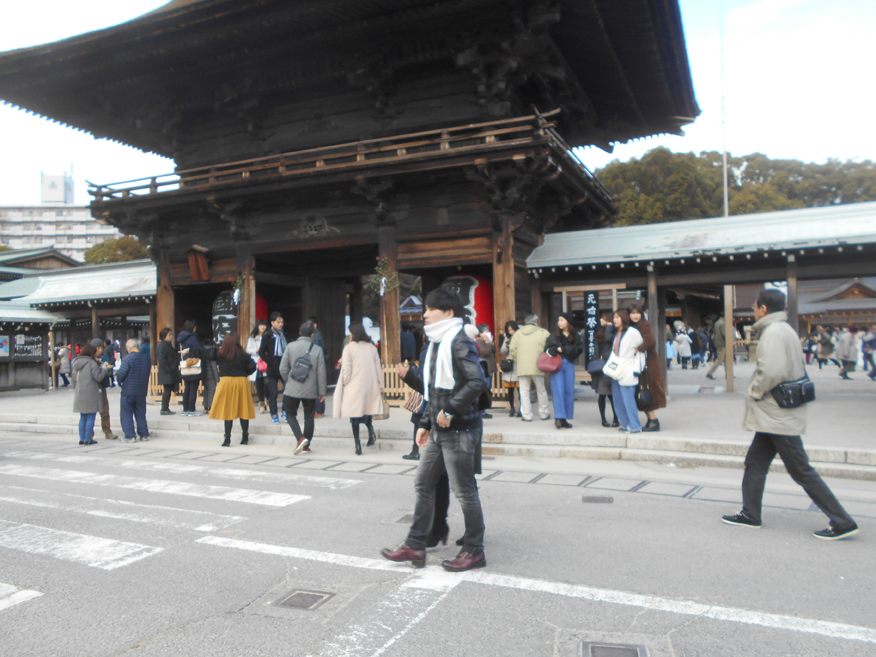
<point x="591" y="323"/>
<point x="28" y="346"/>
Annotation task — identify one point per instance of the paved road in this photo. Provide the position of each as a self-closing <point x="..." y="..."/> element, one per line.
<point x="186" y="550"/>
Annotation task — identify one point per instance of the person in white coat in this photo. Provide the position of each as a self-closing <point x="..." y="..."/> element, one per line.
<point x="778" y="430"/>
<point x="683" y="341"/>
<point x="626" y="343"/>
<point x="357" y="394"/>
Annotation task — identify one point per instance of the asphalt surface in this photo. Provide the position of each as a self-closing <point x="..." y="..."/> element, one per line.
<point x="183" y="548"/>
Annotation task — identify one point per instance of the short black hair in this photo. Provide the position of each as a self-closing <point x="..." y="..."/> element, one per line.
<point x="306" y="330"/>
<point x="443" y="298"/>
<point x="190" y="326"/>
<point x="773" y="299"/>
<point x="163" y="333"/>
<point x="275" y="316"/>
<point x="313" y="320"/>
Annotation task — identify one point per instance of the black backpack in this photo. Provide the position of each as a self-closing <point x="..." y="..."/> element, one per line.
<point x="302" y="366"/>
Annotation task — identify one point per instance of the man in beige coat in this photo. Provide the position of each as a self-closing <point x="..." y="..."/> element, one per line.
<point x="780" y="359"/>
<point x="527" y="345"/>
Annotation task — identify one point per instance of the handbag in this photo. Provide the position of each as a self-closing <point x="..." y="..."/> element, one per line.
<point x="792" y="394"/>
<point x="616" y="367"/>
<point x="644" y="398"/>
<point x="301" y="368"/>
<point x="190" y="367"/>
<point x="261" y="366"/>
<point x="595" y="366"/>
<point x="414" y="401"/>
<point x="549" y="364"/>
<point x="507" y="365"/>
<point x="385" y="414"/>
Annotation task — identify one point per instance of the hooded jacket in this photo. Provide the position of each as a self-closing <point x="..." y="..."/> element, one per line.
<point x="87" y="374"/>
<point x="779" y="359"/>
<point x="527" y="345"/>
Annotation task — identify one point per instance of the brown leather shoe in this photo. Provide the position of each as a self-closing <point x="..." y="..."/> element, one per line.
<point x="465" y="560"/>
<point x="405" y="553"/>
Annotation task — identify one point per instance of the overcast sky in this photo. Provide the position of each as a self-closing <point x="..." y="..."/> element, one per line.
<point x="798" y="85"/>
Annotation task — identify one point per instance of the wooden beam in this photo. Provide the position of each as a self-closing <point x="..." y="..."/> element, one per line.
<point x="390" y="344"/>
<point x="164" y="301"/>
<point x="792" y="293"/>
<point x="731" y="335"/>
<point x="504" y="304"/>
<point x="535" y="292"/>
<point x="661" y="326"/>
<point x="95" y="323"/>
<point x="246" y="307"/>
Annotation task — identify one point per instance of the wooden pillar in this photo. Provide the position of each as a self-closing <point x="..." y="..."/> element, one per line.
<point x="357" y="303"/>
<point x="390" y="344"/>
<point x="660" y="336"/>
<point x="95" y="322"/>
<point x="504" y="307"/>
<point x="535" y="291"/>
<point x="731" y="335"/>
<point x="125" y="332"/>
<point x="53" y="361"/>
<point x="654" y="313"/>
<point x="164" y="303"/>
<point x="246" y="306"/>
<point x="793" y="319"/>
<point x="153" y="333"/>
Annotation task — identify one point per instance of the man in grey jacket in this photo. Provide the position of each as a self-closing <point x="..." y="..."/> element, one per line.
<point x="780" y="359"/>
<point x="302" y="389"/>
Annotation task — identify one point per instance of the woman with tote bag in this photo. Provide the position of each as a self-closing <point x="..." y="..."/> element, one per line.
<point x="623" y="366"/>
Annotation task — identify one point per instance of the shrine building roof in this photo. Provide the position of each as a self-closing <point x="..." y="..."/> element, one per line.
<point x="621" y="64"/>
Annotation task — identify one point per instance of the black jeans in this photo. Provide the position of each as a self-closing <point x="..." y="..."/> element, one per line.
<point x="455" y="451"/>
<point x="272" y="386"/>
<point x="761" y="453"/>
<point x="165" y="396"/>
<point x="290" y="405"/>
<point x="190" y="396"/>
<point x="260" y="388"/>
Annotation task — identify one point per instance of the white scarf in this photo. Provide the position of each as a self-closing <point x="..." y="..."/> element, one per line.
<point x="442" y="334"/>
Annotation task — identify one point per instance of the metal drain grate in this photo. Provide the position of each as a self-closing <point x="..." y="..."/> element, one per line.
<point x="613" y="650"/>
<point x="307" y="600"/>
<point x="596" y="499"/>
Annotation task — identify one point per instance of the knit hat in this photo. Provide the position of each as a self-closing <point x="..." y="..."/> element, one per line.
<point x="569" y="318"/>
<point x="97" y="342"/>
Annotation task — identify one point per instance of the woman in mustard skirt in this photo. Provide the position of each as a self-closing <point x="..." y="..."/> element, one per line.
<point x="233" y="399"/>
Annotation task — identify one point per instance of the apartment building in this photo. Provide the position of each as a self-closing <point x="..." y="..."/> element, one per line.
<point x="66" y="227"/>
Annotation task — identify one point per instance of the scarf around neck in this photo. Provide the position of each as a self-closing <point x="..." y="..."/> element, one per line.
<point x="440" y="336"/>
<point x="280" y="343"/>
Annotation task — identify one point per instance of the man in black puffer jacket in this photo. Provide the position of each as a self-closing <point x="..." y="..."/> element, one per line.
<point x="449" y="434"/>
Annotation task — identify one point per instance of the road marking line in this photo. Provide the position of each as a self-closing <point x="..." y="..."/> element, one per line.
<point x="12" y="595"/>
<point x="184" y="468"/>
<point x="668" y="605"/>
<point x="157" y="486"/>
<point x="92" y="551"/>
<point x="201" y="521"/>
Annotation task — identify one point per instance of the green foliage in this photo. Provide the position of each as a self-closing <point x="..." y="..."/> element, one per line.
<point x="664" y="186"/>
<point x="4" y="248"/>
<point x="116" y="250"/>
<point x="381" y="272"/>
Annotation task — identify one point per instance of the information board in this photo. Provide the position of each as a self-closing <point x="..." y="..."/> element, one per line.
<point x="224" y="316"/>
<point x="591" y="323"/>
<point x="28" y="346"/>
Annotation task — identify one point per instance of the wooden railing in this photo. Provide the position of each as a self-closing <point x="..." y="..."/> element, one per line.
<point x="440" y="143"/>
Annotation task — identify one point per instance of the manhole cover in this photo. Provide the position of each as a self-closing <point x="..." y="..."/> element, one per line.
<point x="613" y="650"/>
<point x="597" y="499"/>
<point x="307" y="600"/>
<point x="406" y="520"/>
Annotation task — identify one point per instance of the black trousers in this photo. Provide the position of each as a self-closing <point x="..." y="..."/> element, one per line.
<point x="190" y="395"/>
<point x="290" y="406"/>
<point x="761" y="453"/>
<point x="165" y="396"/>
<point x="272" y="385"/>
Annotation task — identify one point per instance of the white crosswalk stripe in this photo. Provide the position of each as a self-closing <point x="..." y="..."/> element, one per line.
<point x="291" y="478"/>
<point x="156" y="486"/>
<point x="12" y="595"/>
<point x="201" y="521"/>
<point x="92" y="551"/>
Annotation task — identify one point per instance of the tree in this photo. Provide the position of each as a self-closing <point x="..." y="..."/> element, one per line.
<point x="116" y="250"/>
<point x="665" y="186"/>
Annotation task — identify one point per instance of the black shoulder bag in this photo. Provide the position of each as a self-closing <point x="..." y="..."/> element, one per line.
<point x="302" y="366"/>
<point x="792" y="394"/>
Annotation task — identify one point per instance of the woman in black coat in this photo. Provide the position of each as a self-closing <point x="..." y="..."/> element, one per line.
<point x="168" y="368"/>
<point x="188" y="340"/>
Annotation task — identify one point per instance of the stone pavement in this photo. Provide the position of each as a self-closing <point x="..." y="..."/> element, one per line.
<point x="701" y="427"/>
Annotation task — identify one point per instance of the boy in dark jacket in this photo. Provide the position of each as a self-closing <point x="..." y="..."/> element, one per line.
<point x="449" y="434"/>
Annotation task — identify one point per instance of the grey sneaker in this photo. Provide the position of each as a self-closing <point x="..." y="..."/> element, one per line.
<point x="834" y="534"/>
<point x="129" y="440"/>
<point x="144" y="438"/>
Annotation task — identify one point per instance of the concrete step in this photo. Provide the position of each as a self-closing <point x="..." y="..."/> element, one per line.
<point x="659" y="448"/>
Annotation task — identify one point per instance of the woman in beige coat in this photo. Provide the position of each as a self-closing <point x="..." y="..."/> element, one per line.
<point x="357" y="395"/>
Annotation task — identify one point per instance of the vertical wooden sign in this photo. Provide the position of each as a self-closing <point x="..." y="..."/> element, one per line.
<point x="591" y="323"/>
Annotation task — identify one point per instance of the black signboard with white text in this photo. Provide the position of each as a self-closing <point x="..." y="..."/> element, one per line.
<point x="224" y="316"/>
<point x="591" y="323"/>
